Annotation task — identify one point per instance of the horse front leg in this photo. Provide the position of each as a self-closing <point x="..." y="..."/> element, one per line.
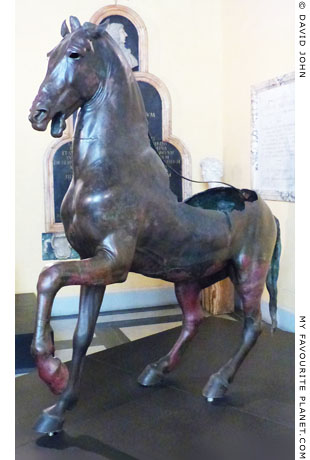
<point x="51" y="370"/>
<point x="188" y="295"/>
<point x="101" y="270"/>
<point x="98" y="271"/>
<point x="52" y="418"/>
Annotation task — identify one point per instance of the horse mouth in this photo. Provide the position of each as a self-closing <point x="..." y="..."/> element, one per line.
<point x="40" y="120"/>
<point x="58" y="124"/>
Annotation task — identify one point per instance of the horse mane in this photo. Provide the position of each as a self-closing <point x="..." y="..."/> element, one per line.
<point x="117" y="64"/>
<point x="94" y="32"/>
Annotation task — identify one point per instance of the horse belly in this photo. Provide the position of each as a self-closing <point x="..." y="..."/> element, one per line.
<point x="174" y="267"/>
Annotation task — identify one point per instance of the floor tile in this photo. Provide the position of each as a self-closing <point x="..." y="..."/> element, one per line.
<point x="137" y="332"/>
<point x="63" y="328"/>
<point x="142" y="314"/>
<point x="66" y="354"/>
<point x="118" y="419"/>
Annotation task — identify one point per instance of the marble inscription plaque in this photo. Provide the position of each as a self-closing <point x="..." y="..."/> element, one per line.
<point x="62" y="175"/>
<point x="168" y="152"/>
<point x="273" y="139"/>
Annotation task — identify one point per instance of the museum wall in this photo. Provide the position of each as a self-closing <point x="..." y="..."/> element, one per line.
<point x="184" y="52"/>
<point x="258" y="44"/>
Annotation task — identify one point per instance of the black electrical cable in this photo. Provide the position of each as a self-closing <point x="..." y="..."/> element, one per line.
<point x="186" y="178"/>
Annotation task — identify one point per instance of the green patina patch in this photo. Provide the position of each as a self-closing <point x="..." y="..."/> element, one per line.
<point x="223" y="199"/>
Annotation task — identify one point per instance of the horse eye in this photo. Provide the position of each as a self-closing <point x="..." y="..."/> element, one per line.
<point x="74" y="55"/>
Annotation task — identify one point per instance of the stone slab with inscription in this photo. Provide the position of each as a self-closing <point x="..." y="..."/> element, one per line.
<point x="168" y="152"/>
<point x="273" y="138"/>
<point x="62" y="175"/>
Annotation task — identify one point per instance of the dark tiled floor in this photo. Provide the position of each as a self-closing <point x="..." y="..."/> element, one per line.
<point x="112" y="329"/>
<point x="118" y="419"/>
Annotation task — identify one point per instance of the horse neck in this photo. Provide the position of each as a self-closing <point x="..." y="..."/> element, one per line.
<point x="113" y="122"/>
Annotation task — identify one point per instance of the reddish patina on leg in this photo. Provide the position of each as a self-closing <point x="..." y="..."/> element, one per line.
<point x="188" y="295"/>
<point x="53" y="372"/>
<point x="251" y="277"/>
<point x="99" y="270"/>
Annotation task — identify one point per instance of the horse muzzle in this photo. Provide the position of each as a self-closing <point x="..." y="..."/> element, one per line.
<point x="39" y="119"/>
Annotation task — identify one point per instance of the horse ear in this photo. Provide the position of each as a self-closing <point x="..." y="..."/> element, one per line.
<point x="74" y="23"/>
<point x="64" y="29"/>
<point x="102" y="27"/>
<point x="93" y="31"/>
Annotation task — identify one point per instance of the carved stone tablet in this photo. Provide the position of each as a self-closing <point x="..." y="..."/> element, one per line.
<point x="62" y="175"/>
<point x="273" y="138"/>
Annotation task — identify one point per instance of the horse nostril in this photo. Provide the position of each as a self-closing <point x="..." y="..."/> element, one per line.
<point x="39" y="115"/>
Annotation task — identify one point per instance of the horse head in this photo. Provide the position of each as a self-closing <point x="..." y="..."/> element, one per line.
<point x="73" y="76"/>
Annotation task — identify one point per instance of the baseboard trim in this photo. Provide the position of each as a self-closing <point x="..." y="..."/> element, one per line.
<point x="154" y="297"/>
<point x="113" y="301"/>
<point x="286" y="319"/>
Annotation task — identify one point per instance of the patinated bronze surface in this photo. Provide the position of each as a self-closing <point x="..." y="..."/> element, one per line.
<point x="120" y="215"/>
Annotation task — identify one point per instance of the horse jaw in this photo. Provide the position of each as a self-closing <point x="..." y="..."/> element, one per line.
<point x="58" y="124"/>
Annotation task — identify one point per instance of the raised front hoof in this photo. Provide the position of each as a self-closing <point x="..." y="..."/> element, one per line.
<point x="49" y="423"/>
<point x="53" y="372"/>
<point x="215" y="388"/>
<point x="151" y="377"/>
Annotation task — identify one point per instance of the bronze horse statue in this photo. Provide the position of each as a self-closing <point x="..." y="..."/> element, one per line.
<point x="120" y="215"/>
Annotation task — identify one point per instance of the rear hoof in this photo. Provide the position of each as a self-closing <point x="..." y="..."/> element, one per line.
<point x="49" y="423"/>
<point x="151" y="377"/>
<point x="215" y="388"/>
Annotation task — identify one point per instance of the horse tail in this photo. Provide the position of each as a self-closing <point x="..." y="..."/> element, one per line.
<point x="272" y="278"/>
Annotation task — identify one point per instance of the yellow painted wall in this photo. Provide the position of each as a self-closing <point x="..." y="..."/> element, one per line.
<point x="258" y="44"/>
<point x="208" y="53"/>
<point x="184" y="51"/>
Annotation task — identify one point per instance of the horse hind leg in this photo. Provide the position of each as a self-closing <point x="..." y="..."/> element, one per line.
<point x="250" y="287"/>
<point x="188" y="295"/>
<point x="272" y="279"/>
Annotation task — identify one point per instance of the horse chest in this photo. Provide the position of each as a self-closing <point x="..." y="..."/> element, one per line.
<point x="88" y="214"/>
